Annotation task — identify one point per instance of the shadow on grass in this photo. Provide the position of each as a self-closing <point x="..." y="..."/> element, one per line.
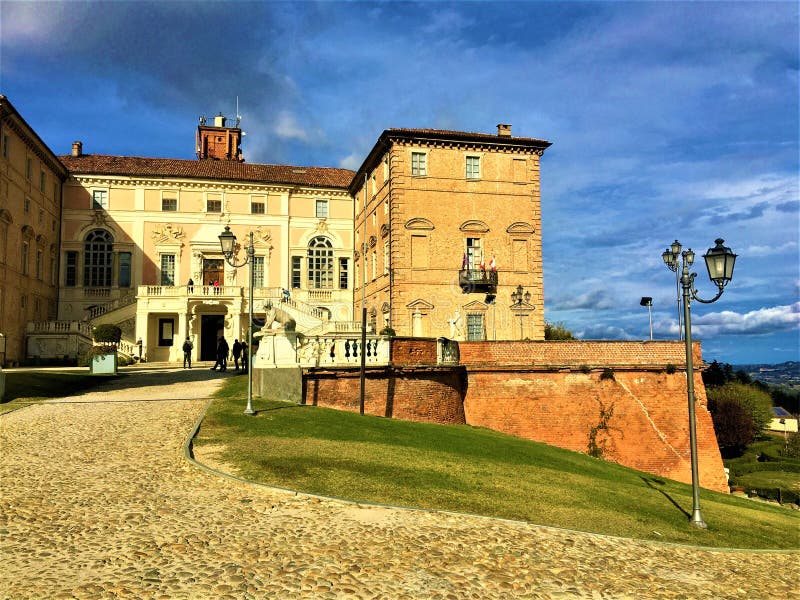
<point x="649" y="482"/>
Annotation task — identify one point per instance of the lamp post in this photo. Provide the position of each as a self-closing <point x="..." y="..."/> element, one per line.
<point x="719" y="262"/>
<point x="228" y="242"/>
<point x="648" y="302"/>
<point x="675" y="250"/>
<point x="519" y="298"/>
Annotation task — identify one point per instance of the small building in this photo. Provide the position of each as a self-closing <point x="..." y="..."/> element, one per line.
<point x="782" y="421"/>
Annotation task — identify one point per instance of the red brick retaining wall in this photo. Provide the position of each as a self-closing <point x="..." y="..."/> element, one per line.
<point x="549" y="392"/>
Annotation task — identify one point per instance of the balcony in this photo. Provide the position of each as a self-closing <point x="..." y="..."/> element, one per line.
<point x="477" y="280"/>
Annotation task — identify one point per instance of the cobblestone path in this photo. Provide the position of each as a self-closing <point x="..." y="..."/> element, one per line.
<point x="98" y="501"/>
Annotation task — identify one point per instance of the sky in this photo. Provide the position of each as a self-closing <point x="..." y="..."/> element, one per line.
<point x="669" y="120"/>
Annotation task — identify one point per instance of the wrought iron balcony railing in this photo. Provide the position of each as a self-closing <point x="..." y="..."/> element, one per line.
<point x="479" y="280"/>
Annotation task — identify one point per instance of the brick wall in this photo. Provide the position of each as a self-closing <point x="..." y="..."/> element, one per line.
<point x="432" y="395"/>
<point x="549" y="392"/>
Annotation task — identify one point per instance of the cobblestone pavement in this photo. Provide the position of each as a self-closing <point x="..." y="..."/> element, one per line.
<point x="98" y="501"/>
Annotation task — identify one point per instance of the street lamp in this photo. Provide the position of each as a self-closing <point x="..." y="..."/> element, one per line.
<point x="227" y="242"/>
<point x="675" y="250"/>
<point x="719" y="262"/>
<point x="648" y="302"/>
<point x="517" y="298"/>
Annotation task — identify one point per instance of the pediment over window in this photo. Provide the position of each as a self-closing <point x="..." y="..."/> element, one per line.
<point x="5" y="216"/>
<point x="420" y="304"/>
<point x="419" y="223"/>
<point x="520" y="228"/>
<point x="384" y="230"/>
<point x="27" y="231"/>
<point x="474" y="226"/>
<point x="475" y="305"/>
<point x="372" y="241"/>
<point x="167" y="234"/>
<point x="385" y="307"/>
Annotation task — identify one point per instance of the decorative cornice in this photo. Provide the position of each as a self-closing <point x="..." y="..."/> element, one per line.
<point x="419" y="223"/>
<point x="520" y="228"/>
<point x="474" y="226"/>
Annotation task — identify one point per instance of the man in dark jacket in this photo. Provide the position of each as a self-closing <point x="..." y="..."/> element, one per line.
<point x="222" y="356"/>
<point x="237" y="352"/>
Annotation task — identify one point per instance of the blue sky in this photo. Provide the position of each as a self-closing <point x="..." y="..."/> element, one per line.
<point x="668" y="120"/>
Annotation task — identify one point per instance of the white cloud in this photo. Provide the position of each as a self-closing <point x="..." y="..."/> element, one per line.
<point x="756" y="322"/>
<point x="764" y="250"/>
<point x="352" y="161"/>
<point x="287" y="127"/>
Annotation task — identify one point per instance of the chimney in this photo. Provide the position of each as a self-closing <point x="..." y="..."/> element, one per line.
<point x="219" y="121"/>
<point x="504" y="129"/>
<point x="77" y="148"/>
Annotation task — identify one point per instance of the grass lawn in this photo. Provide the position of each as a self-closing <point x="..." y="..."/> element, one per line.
<point x="472" y="470"/>
<point x="27" y="387"/>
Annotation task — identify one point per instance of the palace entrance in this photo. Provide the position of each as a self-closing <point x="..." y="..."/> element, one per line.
<point x="211" y="327"/>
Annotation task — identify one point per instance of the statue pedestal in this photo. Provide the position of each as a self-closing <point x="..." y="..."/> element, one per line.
<point x="276" y="371"/>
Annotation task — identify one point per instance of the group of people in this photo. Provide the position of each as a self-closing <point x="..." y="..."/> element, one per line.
<point x="238" y="353"/>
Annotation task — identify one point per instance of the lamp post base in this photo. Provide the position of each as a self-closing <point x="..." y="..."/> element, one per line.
<point x="697" y="520"/>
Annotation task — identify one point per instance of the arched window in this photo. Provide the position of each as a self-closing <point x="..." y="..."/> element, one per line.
<point x="97" y="259"/>
<point x="320" y="263"/>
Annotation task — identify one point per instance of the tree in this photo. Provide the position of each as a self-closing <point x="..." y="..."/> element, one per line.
<point x="557" y="331"/>
<point x="733" y="425"/>
<point x="755" y="402"/>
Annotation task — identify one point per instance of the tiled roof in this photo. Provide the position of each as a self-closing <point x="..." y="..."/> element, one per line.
<point x="466" y="135"/>
<point x="99" y="164"/>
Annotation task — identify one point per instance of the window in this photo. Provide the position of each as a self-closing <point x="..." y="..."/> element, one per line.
<point x="100" y="199"/>
<point x="25" y="250"/>
<point x="165" y="332"/>
<point x="475" y="327"/>
<point x="28" y="169"/>
<point x="6" y="146"/>
<point x="474" y="254"/>
<point x="258" y="208"/>
<point x="41" y="216"/>
<point x="419" y="163"/>
<point x="71" y="271"/>
<point x="169" y="204"/>
<point x="473" y="167"/>
<point x="124" y="279"/>
<point x="386" y="257"/>
<point x="23" y="301"/>
<point x="320" y="263"/>
<point x="296" y="278"/>
<point x="213" y="206"/>
<point x="374" y="264"/>
<point x="519" y="170"/>
<point x="55" y="191"/>
<point x="52" y="224"/>
<point x="39" y="265"/>
<point x="167" y="269"/>
<point x="322" y="209"/>
<point x="419" y="252"/>
<point x="97" y="259"/>
<point x="52" y="271"/>
<point x="343" y="274"/>
<point x="42" y="181"/>
<point x="258" y="271"/>
<point x="27" y="205"/>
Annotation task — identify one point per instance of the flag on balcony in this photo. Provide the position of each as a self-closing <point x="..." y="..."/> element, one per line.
<point x="483" y="266"/>
<point x="493" y="264"/>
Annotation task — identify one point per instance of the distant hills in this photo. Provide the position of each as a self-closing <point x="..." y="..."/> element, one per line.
<point x="787" y="373"/>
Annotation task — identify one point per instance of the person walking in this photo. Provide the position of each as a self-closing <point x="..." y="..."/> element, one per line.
<point x="245" y="357"/>
<point x="187" y="353"/>
<point x="236" y="351"/>
<point x="222" y="356"/>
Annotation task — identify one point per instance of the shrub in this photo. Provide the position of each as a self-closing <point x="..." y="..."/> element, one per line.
<point x="107" y="333"/>
<point x="607" y="374"/>
<point x="585" y="369"/>
<point x="792" y="447"/>
<point x="671" y="369"/>
<point x="756" y="402"/>
<point x="388" y="332"/>
<point x="597" y="447"/>
<point x="557" y="331"/>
